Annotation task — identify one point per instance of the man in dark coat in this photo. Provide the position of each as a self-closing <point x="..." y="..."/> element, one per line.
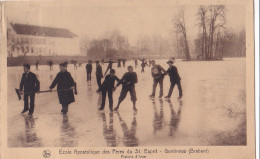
<point x="65" y="85"/>
<point x="99" y="74"/>
<point x="29" y="85"/>
<point x="174" y="78"/>
<point x="128" y="85"/>
<point x="108" y="87"/>
<point x="158" y="77"/>
<point x="89" y="70"/>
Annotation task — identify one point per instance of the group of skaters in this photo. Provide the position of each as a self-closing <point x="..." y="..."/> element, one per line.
<point x="30" y="85"/>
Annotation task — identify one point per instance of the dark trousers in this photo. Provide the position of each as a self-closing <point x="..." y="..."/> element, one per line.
<point x="155" y="82"/>
<point x="65" y="108"/>
<point x="98" y="81"/>
<point x="142" y="69"/>
<point x="26" y="103"/>
<point x="124" y="91"/>
<point x="172" y="86"/>
<point x="88" y="76"/>
<point x="110" y="98"/>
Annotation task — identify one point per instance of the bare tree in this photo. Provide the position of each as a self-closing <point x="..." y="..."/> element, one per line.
<point x="212" y="22"/>
<point x="216" y="19"/>
<point x="202" y="14"/>
<point x="180" y="29"/>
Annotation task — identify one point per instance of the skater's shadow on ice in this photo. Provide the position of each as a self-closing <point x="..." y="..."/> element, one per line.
<point x="129" y="138"/>
<point x="158" y="122"/>
<point x="109" y="131"/>
<point x="31" y="138"/>
<point x="68" y="137"/>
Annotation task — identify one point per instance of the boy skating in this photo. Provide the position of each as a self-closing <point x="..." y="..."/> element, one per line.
<point x="128" y="85"/>
<point x="174" y="78"/>
<point x="108" y="87"/>
<point x="158" y="77"/>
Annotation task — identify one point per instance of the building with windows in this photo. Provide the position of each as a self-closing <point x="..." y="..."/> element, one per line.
<point x="32" y="40"/>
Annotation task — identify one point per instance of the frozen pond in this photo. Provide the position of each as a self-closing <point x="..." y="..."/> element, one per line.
<point x="211" y="112"/>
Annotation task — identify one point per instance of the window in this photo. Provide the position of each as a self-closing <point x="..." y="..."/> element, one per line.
<point x="32" y="50"/>
<point x="40" y="50"/>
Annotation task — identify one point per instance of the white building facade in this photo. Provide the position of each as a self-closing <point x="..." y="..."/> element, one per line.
<point x="30" y="40"/>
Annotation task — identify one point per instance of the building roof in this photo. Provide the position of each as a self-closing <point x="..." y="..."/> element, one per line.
<point x="26" y="29"/>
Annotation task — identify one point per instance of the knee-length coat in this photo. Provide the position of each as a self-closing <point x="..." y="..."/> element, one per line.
<point x="64" y="82"/>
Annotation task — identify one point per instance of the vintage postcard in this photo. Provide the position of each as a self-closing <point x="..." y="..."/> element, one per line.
<point x="127" y="79"/>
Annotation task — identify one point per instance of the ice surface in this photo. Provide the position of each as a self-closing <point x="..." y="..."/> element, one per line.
<point x="212" y="111"/>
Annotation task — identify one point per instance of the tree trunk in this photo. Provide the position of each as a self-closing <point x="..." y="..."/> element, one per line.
<point x="187" y="51"/>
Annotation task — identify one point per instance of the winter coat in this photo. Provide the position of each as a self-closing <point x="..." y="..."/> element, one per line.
<point x="64" y="82"/>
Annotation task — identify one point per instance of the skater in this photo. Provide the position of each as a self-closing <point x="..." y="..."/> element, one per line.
<point x="108" y="87"/>
<point x="99" y="74"/>
<point x="128" y="85"/>
<point x="119" y="63"/>
<point x="109" y="66"/>
<point x="136" y="63"/>
<point x="65" y="85"/>
<point x="50" y="64"/>
<point x="75" y="64"/>
<point x="174" y="79"/>
<point x="123" y="60"/>
<point x="89" y="70"/>
<point x="37" y="64"/>
<point x="29" y="85"/>
<point x="143" y="64"/>
<point x="158" y="77"/>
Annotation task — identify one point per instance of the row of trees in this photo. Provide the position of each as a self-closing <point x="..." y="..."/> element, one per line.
<point x="111" y="47"/>
<point x="154" y="46"/>
<point x="214" y="40"/>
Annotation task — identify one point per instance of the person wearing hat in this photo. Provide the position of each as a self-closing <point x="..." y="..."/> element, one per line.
<point x="89" y="70"/>
<point x="29" y="85"/>
<point x="158" y="77"/>
<point x="65" y="85"/>
<point x="99" y="74"/>
<point x="174" y="79"/>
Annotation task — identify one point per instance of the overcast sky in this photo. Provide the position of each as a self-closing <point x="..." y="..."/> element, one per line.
<point x="94" y="19"/>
